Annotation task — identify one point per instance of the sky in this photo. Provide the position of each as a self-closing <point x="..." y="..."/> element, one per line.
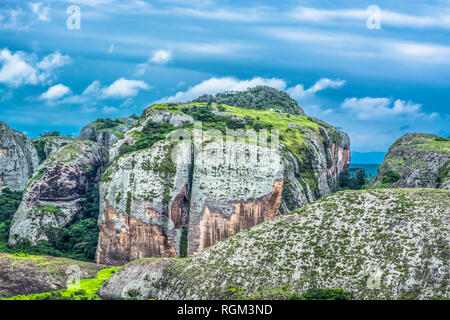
<point x="375" y="69"/>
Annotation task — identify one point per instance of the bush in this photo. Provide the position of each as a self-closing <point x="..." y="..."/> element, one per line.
<point x="326" y="294"/>
<point x="390" y="177"/>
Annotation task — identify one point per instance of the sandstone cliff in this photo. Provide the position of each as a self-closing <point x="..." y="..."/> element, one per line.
<point x="56" y="193"/>
<point x="106" y="131"/>
<point x="153" y="204"/>
<point x="18" y="159"/>
<point x="374" y="244"/>
<point x="416" y="161"/>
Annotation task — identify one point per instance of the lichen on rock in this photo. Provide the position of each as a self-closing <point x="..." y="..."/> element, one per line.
<point x="56" y="193"/>
<point x="416" y="160"/>
<point x="18" y="158"/>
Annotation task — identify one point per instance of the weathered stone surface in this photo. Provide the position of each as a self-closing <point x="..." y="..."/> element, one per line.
<point x="57" y="191"/>
<point x="18" y="158"/>
<point x="47" y="145"/>
<point x="143" y="204"/>
<point x="316" y="172"/>
<point x="149" y="115"/>
<point x="416" y="161"/>
<point x="374" y="244"/>
<point x="22" y="274"/>
<point x="235" y="186"/>
<point x="107" y="134"/>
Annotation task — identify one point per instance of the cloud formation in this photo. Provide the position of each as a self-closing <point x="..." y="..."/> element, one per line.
<point x="369" y="108"/>
<point x="299" y="91"/>
<point x="216" y="85"/>
<point x="55" y="92"/>
<point x="20" y="69"/>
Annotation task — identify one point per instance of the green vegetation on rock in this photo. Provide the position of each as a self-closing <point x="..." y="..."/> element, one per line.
<point x="259" y="97"/>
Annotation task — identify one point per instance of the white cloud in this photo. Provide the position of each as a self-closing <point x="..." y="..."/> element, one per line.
<point x="422" y="51"/>
<point x="93" y="88"/>
<point x="316" y="110"/>
<point x="42" y="13"/>
<point x="123" y="88"/>
<point x="216" y="85"/>
<point x="299" y="91"/>
<point x="369" y="108"/>
<point x="19" y="68"/>
<point x="55" y="92"/>
<point x="109" y="110"/>
<point x="362" y="46"/>
<point x="53" y="61"/>
<point x="161" y="56"/>
<point x="309" y="14"/>
<point x="15" y="71"/>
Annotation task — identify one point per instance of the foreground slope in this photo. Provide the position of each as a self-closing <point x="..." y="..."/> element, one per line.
<point x="416" y="160"/>
<point x="375" y="244"/>
<point x="26" y="274"/>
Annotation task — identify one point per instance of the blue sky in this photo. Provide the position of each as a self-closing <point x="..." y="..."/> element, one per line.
<point x="375" y="84"/>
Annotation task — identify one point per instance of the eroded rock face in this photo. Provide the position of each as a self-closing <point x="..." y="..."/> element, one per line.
<point x="315" y="173"/>
<point x="232" y="191"/>
<point x="106" y="131"/>
<point x="416" y="161"/>
<point x="144" y="204"/>
<point x="56" y="193"/>
<point x="18" y="158"/>
<point x="374" y="244"/>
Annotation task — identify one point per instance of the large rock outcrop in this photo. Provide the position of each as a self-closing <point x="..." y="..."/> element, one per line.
<point x="416" y="160"/>
<point x="374" y="244"/>
<point x="106" y="131"/>
<point x="56" y="193"/>
<point x="154" y="204"/>
<point x="18" y="158"/>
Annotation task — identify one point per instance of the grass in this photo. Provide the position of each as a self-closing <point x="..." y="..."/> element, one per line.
<point x="86" y="291"/>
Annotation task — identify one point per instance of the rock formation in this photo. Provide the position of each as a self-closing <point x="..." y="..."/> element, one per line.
<point x="153" y="204"/>
<point x="106" y="131"/>
<point x="18" y="159"/>
<point x="416" y="160"/>
<point x="56" y="193"/>
<point x="374" y="244"/>
<point x="47" y="145"/>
